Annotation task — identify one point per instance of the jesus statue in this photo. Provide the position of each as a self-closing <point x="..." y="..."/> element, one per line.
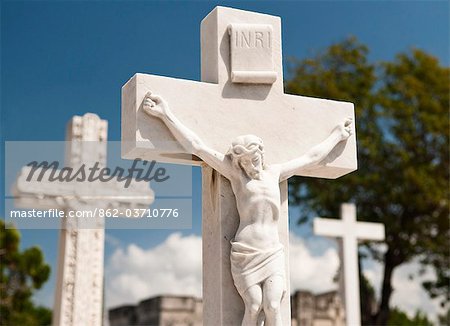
<point x="257" y="255"/>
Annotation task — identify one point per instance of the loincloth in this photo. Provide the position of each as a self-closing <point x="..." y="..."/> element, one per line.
<point x="250" y="266"/>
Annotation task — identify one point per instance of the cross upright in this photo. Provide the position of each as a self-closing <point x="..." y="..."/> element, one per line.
<point x="241" y="93"/>
<point x="79" y="286"/>
<point x="349" y="231"/>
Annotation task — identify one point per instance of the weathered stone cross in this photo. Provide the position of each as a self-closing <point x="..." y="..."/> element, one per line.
<point x="241" y="93"/>
<point x="349" y="231"/>
<point x="79" y="288"/>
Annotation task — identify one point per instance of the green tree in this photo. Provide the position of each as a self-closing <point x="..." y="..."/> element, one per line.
<point x="444" y="319"/>
<point x="399" y="318"/>
<point x="22" y="272"/>
<point x="402" y="124"/>
<point x="368" y="301"/>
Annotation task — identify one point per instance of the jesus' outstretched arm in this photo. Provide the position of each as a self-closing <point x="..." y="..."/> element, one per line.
<point x="156" y="106"/>
<point x="318" y="153"/>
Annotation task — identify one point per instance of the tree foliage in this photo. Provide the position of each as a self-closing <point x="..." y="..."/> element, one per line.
<point x="398" y="317"/>
<point x="368" y="297"/>
<point x="22" y="272"/>
<point x="402" y="123"/>
<point x="444" y="319"/>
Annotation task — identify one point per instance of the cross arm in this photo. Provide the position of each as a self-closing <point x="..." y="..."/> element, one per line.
<point x="318" y="153"/>
<point x="336" y="228"/>
<point x="155" y="105"/>
<point x="370" y="231"/>
<point x="289" y="125"/>
<point x="328" y="227"/>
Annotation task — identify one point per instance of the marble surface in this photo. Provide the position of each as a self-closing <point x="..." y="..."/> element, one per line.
<point x="204" y="119"/>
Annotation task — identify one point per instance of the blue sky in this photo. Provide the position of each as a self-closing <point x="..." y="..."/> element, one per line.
<point x="59" y="59"/>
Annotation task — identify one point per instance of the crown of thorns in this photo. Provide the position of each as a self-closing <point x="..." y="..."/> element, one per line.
<point x="239" y="150"/>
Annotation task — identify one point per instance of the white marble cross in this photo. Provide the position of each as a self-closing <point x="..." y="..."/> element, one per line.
<point x="349" y="231"/>
<point x="79" y="288"/>
<point x="241" y="93"/>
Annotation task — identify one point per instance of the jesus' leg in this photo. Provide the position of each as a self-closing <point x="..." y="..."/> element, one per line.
<point x="273" y="288"/>
<point x="253" y="304"/>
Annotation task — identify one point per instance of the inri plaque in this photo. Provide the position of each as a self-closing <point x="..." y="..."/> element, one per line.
<point x="251" y="54"/>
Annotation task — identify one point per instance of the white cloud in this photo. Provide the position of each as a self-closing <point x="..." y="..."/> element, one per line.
<point x="311" y="272"/>
<point x="408" y="295"/>
<point x="173" y="267"/>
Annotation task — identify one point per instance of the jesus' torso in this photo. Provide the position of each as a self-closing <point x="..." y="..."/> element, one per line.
<point x="258" y="205"/>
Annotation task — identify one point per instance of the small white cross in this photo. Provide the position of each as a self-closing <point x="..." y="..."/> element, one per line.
<point x="349" y="231"/>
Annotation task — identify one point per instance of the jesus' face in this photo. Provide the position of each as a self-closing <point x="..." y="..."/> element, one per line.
<point x="252" y="164"/>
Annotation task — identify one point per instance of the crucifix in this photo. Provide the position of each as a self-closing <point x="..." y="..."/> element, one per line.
<point x="79" y="287"/>
<point x="349" y="231"/>
<point x="202" y="123"/>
